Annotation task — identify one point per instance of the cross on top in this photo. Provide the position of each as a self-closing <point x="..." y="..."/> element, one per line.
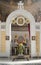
<point x="20" y="5"/>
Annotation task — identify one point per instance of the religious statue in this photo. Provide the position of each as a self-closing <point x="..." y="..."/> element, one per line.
<point x="20" y="48"/>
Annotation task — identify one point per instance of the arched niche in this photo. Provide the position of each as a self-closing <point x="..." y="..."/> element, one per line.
<point x="29" y="16"/>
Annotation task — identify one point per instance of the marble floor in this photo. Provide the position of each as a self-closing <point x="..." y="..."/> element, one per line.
<point x="23" y="64"/>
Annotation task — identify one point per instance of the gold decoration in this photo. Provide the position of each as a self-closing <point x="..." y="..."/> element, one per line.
<point x="20" y="21"/>
<point x="13" y="21"/>
<point x="27" y="21"/>
<point x="16" y="36"/>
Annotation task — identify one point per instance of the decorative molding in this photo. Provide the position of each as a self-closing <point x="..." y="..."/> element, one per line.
<point x="33" y="37"/>
<point x="7" y="37"/>
<point x="20" y="20"/>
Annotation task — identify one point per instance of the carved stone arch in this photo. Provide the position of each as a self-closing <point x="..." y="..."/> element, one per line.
<point x="32" y="27"/>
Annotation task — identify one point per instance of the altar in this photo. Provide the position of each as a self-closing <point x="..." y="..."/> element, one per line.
<point x="20" y="28"/>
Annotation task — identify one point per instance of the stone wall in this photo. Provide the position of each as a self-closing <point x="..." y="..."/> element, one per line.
<point x="33" y="6"/>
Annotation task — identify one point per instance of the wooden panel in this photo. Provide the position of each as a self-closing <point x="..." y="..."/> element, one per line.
<point x="38" y="42"/>
<point x="3" y="41"/>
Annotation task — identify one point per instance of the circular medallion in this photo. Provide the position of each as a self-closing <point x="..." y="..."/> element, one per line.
<point x="20" y="21"/>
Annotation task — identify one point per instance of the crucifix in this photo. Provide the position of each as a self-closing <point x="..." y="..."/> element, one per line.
<point x="20" y="5"/>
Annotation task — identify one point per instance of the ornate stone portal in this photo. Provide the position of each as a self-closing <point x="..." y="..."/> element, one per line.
<point x="19" y="18"/>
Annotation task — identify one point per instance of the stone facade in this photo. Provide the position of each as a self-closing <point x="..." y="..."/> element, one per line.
<point x="20" y="17"/>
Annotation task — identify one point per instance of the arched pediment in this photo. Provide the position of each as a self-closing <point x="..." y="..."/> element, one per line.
<point x="20" y="17"/>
